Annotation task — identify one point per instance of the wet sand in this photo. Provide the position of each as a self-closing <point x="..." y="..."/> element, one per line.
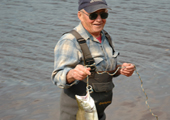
<point x="29" y="31"/>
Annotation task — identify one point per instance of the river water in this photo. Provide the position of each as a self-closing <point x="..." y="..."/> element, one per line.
<point x="29" y="30"/>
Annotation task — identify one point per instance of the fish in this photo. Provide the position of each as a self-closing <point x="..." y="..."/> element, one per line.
<point x="86" y="107"/>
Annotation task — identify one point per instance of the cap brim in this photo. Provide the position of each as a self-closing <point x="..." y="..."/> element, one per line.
<point x="91" y="9"/>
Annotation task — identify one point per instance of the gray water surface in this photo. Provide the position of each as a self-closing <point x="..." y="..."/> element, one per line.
<point x="29" y="31"/>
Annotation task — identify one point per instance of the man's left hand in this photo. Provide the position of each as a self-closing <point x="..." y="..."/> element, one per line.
<point x="127" y="69"/>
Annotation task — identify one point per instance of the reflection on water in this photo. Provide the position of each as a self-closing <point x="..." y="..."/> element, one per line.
<point x="29" y="31"/>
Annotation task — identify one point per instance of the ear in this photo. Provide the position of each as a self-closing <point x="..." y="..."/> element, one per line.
<point x="79" y="14"/>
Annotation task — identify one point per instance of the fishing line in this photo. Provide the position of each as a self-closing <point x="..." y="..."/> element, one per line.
<point x="146" y="102"/>
<point x="89" y="87"/>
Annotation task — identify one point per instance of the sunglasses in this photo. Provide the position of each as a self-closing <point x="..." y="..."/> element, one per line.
<point x="93" y="16"/>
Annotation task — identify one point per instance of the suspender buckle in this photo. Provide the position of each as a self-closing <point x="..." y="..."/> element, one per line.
<point x="90" y="63"/>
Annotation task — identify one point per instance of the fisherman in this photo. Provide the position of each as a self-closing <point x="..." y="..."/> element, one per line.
<point x="80" y="53"/>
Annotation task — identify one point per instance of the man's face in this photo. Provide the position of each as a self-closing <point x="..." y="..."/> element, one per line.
<point x="94" y="27"/>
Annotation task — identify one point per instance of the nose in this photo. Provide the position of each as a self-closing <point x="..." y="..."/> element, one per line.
<point x="98" y="18"/>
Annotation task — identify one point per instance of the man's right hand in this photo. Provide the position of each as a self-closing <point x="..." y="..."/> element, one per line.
<point x="80" y="72"/>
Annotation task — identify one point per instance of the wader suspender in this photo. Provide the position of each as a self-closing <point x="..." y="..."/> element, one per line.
<point x="109" y="40"/>
<point x="88" y="59"/>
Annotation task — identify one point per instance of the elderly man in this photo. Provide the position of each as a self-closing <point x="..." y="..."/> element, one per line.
<point x="88" y="44"/>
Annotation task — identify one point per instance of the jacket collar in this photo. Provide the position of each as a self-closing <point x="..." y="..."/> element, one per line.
<point x="85" y="34"/>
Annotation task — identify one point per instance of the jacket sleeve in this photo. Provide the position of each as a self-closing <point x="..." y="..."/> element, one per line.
<point x="66" y="56"/>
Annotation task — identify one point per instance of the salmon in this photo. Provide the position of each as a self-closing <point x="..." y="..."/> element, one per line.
<point x="86" y="108"/>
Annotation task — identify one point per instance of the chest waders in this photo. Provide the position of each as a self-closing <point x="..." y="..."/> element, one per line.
<point x="101" y="83"/>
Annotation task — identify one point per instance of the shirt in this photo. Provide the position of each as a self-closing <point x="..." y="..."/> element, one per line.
<point x="68" y="54"/>
<point x="99" y="38"/>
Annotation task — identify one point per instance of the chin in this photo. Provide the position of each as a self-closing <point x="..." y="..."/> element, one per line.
<point x="98" y="30"/>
